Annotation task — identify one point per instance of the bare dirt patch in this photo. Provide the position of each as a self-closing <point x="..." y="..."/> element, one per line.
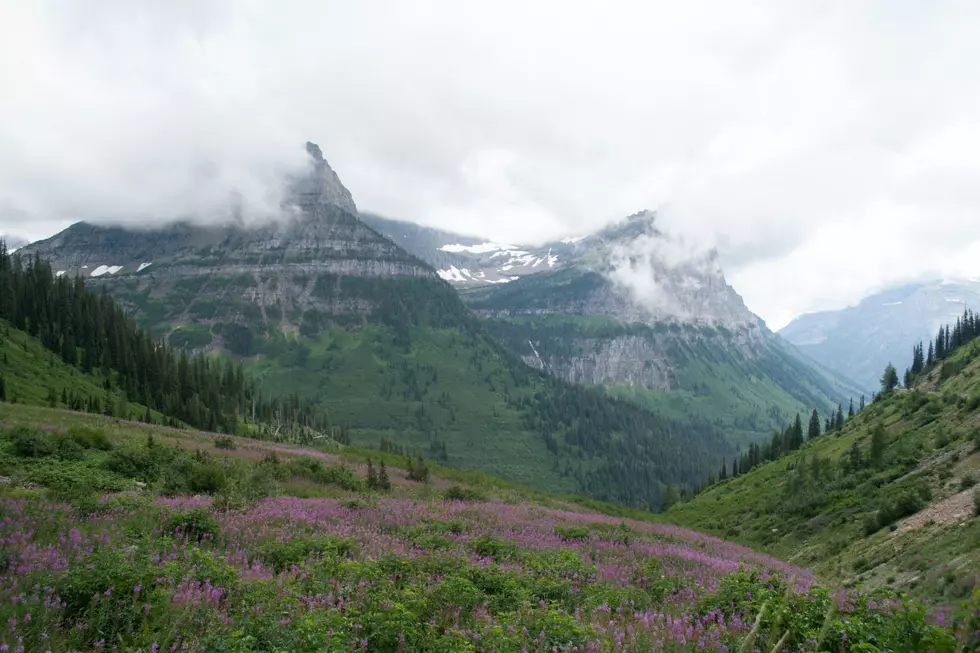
<point x="953" y="510"/>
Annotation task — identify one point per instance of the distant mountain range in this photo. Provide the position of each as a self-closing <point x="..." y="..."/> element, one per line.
<point x="859" y="341"/>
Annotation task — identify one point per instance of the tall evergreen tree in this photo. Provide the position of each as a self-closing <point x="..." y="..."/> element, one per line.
<point x="372" y="477"/>
<point x="861" y="405"/>
<point x="796" y="440"/>
<point x="384" y="483"/>
<point x="878" y="446"/>
<point x="3" y="388"/>
<point x="850" y="408"/>
<point x="814" y="429"/>
<point x="839" y="418"/>
<point x="889" y="380"/>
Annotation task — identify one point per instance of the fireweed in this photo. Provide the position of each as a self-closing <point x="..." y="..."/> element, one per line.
<point x="290" y="574"/>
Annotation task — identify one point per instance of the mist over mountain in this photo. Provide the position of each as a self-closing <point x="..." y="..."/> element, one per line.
<point x="860" y="340"/>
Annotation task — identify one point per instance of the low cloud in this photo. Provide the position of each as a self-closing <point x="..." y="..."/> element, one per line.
<point x="657" y="268"/>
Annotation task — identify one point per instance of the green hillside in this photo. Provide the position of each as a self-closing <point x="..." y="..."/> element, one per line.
<point x="34" y="375"/>
<point x="889" y="500"/>
<point x="744" y="391"/>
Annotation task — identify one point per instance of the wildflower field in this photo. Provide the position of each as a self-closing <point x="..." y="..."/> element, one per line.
<point x="115" y="537"/>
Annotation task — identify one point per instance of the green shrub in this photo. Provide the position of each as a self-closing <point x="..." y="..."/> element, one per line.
<point x="69" y="449"/>
<point x="457" y="493"/>
<point x="968" y="481"/>
<point x="224" y="442"/>
<point x="142" y="463"/>
<point x="197" y="524"/>
<point x="976" y="502"/>
<point x="28" y="443"/>
<point x="88" y="437"/>
<point x="569" y="533"/>
<point x="209" y="478"/>
<point x="282" y="555"/>
<point x="489" y="546"/>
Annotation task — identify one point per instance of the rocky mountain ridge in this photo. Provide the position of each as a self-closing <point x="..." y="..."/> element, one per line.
<point x="634" y="273"/>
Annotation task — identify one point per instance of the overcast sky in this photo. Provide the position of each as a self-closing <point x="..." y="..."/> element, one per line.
<point x="826" y="148"/>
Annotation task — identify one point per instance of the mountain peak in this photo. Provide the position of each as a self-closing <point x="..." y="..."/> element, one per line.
<point x="321" y="185"/>
<point x="314" y="151"/>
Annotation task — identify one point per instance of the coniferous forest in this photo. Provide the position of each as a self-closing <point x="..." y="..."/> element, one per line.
<point x="88" y="330"/>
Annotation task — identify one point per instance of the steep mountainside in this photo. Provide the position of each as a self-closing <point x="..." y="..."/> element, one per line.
<point x="661" y="327"/>
<point x="318" y="303"/>
<point x="889" y="500"/>
<point x="858" y="341"/>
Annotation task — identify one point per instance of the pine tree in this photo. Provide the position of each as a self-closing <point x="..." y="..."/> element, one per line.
<point x="3" y="388"/>
<point x="372" y="477"/>
<point x="861" y="405"/>
<point x="384" y="483"/>
<point x="796" y="439"/>
<point x="814" y="429"/>
<point x="850" y="409"/>
<point x="669" y="499"/>
<point x="723" y="475"/>
<point x="839" y="419"/>
<point x="878" y="446"/>
<point x="889" y="380"/>
<point x="735" y="468"/>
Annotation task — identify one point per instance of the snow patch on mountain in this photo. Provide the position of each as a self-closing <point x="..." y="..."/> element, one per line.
<point x="143" y="266"/>
<point x="103" y="269"/>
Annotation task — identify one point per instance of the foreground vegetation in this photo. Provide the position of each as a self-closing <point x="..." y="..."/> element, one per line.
<point x="126" y="537"/>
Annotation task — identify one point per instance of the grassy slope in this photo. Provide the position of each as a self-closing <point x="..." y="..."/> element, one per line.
<point x="934" y="553"/>
<point x="30" y="371"/>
